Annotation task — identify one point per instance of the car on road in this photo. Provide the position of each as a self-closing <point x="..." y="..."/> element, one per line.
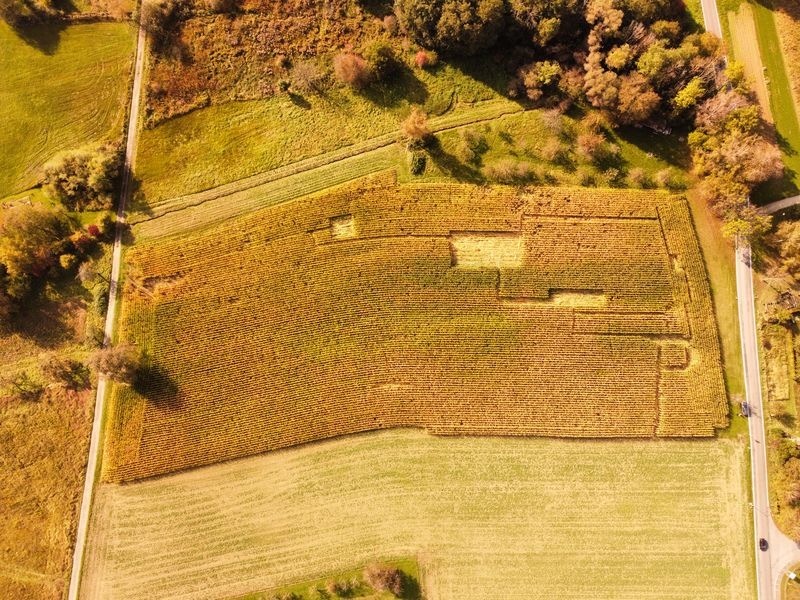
<point x="763" y="544"/>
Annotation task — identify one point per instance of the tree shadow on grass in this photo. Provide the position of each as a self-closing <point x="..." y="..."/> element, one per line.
<point x="45" y="37"/>
<point x="404" y="86"/>
<point x="668" y="148"/>
<point x="451" y="166"/>
<point x="776" y="189"/>
<point x="411" y="588"/>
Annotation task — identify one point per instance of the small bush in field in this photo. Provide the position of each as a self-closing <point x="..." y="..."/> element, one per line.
<point x="553" y="150"/>
<point x="381" y="60"/>
<point x="352" y="69"/>
<point x="384" y="578"/>
<point x="637" y="177"/>
<point x="510" y="172"/>
<point x="417" y="163"/>
<point x="306" y="77"/>
<point x="426" y="59"/>
<point x="414" y="129"/>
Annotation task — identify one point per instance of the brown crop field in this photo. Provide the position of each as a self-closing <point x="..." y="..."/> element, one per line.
<point x="454" y="308"/>
<point x="487" y="518"/>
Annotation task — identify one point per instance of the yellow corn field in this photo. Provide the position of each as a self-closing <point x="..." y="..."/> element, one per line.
<point x="455" y="308"/>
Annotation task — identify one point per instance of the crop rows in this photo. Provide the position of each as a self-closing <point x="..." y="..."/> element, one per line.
<point x="267" y="332"/>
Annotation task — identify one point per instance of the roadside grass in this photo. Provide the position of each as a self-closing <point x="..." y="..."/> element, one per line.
<point x="719" y="258"/>
<point x="309" y="589"/>
<point x="223" y="143"/>
<point x="790" y="590"/>
<point x="60" y="96"/>
<point x="517" y="518"/>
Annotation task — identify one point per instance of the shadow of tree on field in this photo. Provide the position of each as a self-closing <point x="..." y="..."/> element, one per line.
<point x="405" y="86"/>
<point x="450" y="165"/>
<point x="45" y="37"/>
<point x="156" y="384"/>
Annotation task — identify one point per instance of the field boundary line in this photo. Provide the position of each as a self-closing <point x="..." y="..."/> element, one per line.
<point x="95" y="442"/>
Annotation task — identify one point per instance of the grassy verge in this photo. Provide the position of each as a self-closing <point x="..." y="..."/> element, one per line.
<point x="719" y="258"/>
<point x="60" y="89"/>
<point x="314" y="589"/>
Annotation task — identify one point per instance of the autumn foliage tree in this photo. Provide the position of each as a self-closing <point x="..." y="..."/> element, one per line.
<point x="452" y="26"/>
<point x="352" y="69"/>
<point x="84" y="179"/>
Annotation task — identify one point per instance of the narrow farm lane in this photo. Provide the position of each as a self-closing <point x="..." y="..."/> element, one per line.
<point x="95" y="443"/>
<point x="774" y="207"/>
<point x="711" y="17"/>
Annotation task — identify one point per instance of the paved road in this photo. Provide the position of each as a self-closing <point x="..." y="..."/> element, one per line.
<point x="95" y="444"/>
<point x="782" y="551"/>
<point x="711" y="17"/>
<point x="774" y="207"/>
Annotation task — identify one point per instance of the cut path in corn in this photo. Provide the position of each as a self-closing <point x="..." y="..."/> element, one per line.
<point x="487" y="517"/>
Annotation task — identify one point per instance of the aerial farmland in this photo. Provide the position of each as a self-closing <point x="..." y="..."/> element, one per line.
<point x="421" y="299"/>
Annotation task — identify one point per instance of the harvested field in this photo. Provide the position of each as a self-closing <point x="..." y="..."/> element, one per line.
<point x="273" y="332"/>
<point x="59" y="90"/>
<point x="487" y="518"/>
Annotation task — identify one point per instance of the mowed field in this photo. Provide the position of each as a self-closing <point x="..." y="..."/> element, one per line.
<point x="454" y="308"/>
<point x="59" y="91"/>
<point x="487" y="518"/>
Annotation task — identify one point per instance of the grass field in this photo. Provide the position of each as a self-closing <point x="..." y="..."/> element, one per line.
<point x="226" y="142"/>
<point x="71" y="93"/>
<point x="488" y="518"/>
<point x="379" y="305"/>
<point x="43" y="457"/>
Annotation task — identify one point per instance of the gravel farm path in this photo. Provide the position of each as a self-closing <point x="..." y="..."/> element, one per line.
<point x="95" y="444"/>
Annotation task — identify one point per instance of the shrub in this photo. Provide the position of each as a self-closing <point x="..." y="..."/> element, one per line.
<point x="539" y="78"/>
<point x="638" y="178"/>
<point x="670" y="179"/>
<point x="306" y="77"/>
<point x="465" y="27"/>
<point x="417" y="163"/>
<point x="66" y="372"/>
<point x="414" y="128"/>
<point x="471" y="145"/>
<point x="352" y="69"/>
<point x="118" y="363"/>
<point x="381" y="59"/>
<point x="84" y="180"/>
<point x="590" y="146"/>
<point x="22" y="386"/>
<point x="390" y="24"/>
<point x="384" y="578"/>
<point x="553" y="150"/>
<point x="67" y="261"/>
<point x="426" y="59"/>
<point x="510" y="171"/>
